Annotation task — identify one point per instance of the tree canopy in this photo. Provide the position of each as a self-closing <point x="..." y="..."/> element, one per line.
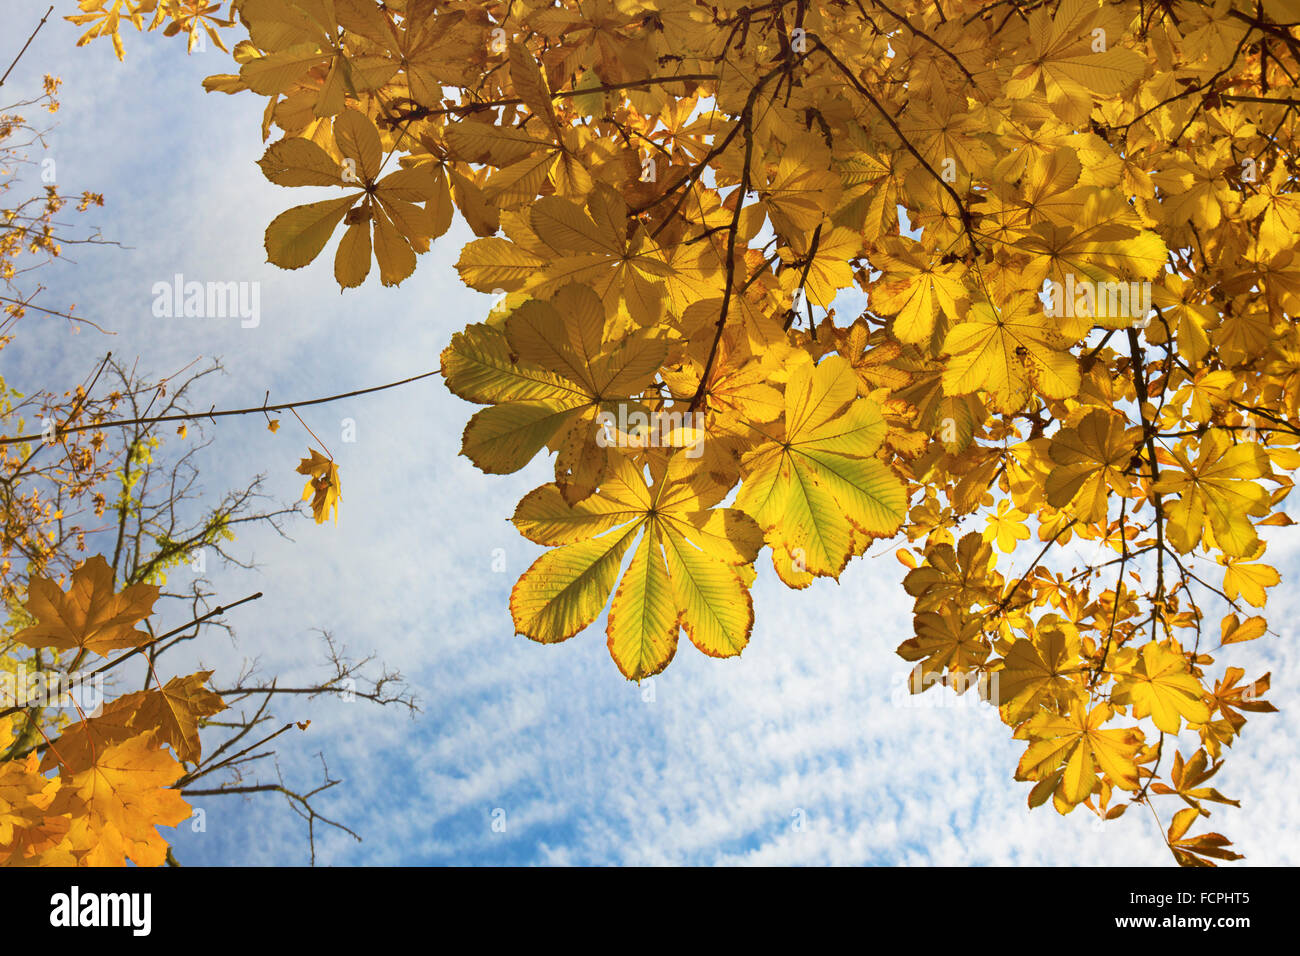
<point x="972" y="281"/>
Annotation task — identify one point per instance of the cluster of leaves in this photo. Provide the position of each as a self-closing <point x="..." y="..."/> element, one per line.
<point x="28" y="228"/>
<point x="114" y="782"/>
<point x="47" y="507"/>
<point x="667" y="192"/>
<point x="107" y="796"/>
<point x="198" y="20"/>
<point x="85" y="470"/>
<point x="91" y="787"/>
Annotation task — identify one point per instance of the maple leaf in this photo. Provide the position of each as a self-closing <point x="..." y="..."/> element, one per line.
<point x="25" y="795"/>
<point x="89" y="616"/>
<point x="176" y="709"/>
<point x="117" y="803"/>
<point x="323" y="489"/>
<point x="172" y="712"/>
<point x="76" y="748"/>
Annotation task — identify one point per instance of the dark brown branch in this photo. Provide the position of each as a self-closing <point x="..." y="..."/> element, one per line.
<point x="213" y="413"/>
<point x="26" y="45"/>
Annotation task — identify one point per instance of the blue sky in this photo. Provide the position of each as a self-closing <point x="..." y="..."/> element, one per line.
<point x="804" y="750"/>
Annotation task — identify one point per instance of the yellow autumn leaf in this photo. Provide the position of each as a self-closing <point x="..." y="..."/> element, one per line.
<point x="812" y="488"/>
<point x="90" y="615"/>
<point x="1067" y="752"/>
<point x="1216" y="492"/>
<point x="1162" y="686"/>
<point x="1091" y="461"/>
<point x="117" y="803"/>
<point x="687" y="571"/>
<point x="323" y="489"/>
<point x="1009" y="353"/>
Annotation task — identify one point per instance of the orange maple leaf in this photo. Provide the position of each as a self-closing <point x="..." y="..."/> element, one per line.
<point x="118" y="802"/>
<point x="89" y="616"/>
